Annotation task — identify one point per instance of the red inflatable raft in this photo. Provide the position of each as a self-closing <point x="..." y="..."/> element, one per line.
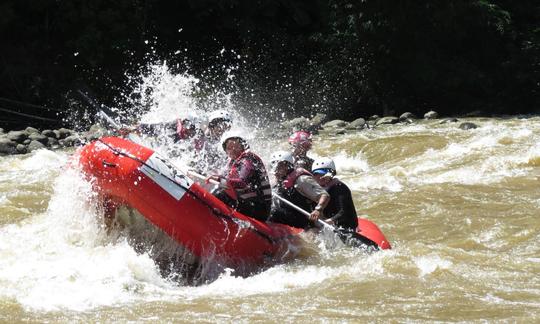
<point x="125" y="173"/>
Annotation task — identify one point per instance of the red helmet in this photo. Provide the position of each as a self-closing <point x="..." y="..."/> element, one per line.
<point x="299" y="138"/>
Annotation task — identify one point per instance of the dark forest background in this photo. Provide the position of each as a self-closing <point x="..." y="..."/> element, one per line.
<point x="346" y="58"/>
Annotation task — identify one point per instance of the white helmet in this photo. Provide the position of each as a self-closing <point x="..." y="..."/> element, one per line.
<point x="324" y="165"/>
<point x="233" y="134"/>
<point x="191" y="121"/>
<point x="220" y="114"/>
<point x="281" y="156"/>
<point x="195" y="119"/>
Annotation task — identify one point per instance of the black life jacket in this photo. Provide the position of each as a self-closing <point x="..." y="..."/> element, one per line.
<point x="341" y="206"/>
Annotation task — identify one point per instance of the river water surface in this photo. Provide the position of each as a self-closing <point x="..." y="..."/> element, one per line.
<point x="461" y="209"/>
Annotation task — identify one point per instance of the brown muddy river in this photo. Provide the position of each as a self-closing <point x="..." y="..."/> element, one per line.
<point x="461" y="209"/>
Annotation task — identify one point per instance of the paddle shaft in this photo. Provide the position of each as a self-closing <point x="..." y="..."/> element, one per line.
<point x="100" y="112"/>
<point x="305" y="213"/>
<point x="109" y="119"/>
<point x="357" y="236"/>
<point x="200" y="176"/>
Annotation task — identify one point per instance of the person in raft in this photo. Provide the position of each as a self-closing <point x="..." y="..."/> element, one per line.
<point x="211" y="159"/>
<point x="181" y="129"/>
<point x="340" y="211"/>
<point x="298" y="186"/>
<point x="219" y="122"/>
<point x="301" y="142"/>
<point x="244" y="185"/>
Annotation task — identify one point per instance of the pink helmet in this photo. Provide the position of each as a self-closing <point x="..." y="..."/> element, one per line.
<point x="300" y="137"/>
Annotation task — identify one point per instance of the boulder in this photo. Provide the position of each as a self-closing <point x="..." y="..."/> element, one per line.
<point x="27" y="141"/>
<point x="406" y="116"/>
<point x="387" y="120"/>
<point x="359" y="123"/>
<point x="56" y="133"/>
<point x="97" y="128"/>
<point x="299" y="123"/>
<point x="17" y="136"/>
<point x="64" y="133"/>
<point x="94" y="134"/>
<point x="49" y="133"/>
<point x="374" y="117"/>
<point x="35" y="145"/>
<point x="475" y="113"/>
<point x="431" y="115"/>
<point x="318" y="120"/>
<point x="449" y="120"/>
<point x="21" y="149"/>
<point x="52" y="142"/>
<point x="31" y="130"/>
<point x="1" y="131"/>
<point x="7" y="146"/>
<point x="38" y="137"/>
<point x="337" y="123"/>
<point x="467" y="125"/>
<point x="71" y="141"/>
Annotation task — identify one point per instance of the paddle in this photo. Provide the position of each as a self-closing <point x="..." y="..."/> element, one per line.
<point x="348" y="236"/>
<point x="102" y="111"/>
<point x="100" y="108"/>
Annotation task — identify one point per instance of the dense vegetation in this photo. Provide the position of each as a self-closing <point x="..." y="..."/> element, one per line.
<point x="350" y="58"/>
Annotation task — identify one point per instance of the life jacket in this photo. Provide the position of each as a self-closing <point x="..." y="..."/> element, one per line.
<point x="181" y="130"/>
<point x="341" y="206"/>
<point x="288" y="191"/>
<point x="258" y="189"/>
<point x="182" y="134"/>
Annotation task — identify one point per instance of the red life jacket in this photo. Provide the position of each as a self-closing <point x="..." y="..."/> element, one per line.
<point x="181" y="131"/>
<point x="182" y="134"/>
<point x="289" y="182"/>
<point x="258" y="186"/>
<point x="287" y="190"/>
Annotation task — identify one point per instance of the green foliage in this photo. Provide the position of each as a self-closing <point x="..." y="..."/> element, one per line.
<point x="347" y="57"/>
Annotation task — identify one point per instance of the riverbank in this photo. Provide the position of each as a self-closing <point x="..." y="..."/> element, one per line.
<point x="31" y="139"/>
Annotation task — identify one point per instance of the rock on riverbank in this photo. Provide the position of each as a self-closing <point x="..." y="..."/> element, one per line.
<point x="31" y="139"/>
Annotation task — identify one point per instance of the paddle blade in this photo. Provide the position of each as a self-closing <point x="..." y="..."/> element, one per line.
<point x="370" y="230"/>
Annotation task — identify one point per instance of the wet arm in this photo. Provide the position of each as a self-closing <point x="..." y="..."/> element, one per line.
<point x="155" y="128"/>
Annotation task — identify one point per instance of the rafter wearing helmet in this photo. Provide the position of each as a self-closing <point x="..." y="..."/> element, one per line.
<point x="301" y="142"/>
<point x="219" y="122"/>
<point x="244" y="184"/>
<point x="298" y="186"/>
<point x="340" y="211"/>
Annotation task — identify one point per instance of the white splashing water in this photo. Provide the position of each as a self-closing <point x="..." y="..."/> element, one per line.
<point x="430" y="263"/>
<point x="64" y="258"/>
<point x="488" y="155"/>
<point x="169" y="97"/>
